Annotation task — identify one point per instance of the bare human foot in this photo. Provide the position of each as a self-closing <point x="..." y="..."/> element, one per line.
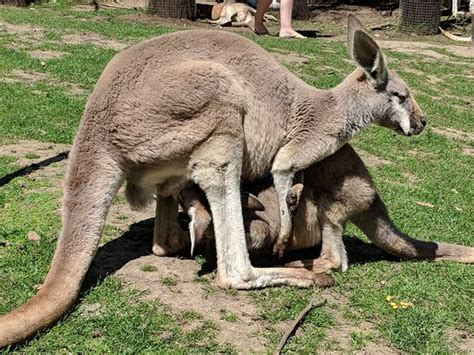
<point x="290" y="34"/>
<point x="260" y="29"/>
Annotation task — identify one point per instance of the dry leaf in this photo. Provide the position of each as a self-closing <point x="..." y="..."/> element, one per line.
<point x="33" y="236"/>
<point x="424" y="204"/>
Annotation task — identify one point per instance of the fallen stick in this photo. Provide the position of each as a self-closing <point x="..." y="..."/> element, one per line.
<point x="295" y="324"/>
<point x="380" y="27"/>
<point x="454" y="37"/>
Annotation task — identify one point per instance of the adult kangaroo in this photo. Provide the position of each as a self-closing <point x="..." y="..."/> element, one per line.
<point x="210" y="107"/>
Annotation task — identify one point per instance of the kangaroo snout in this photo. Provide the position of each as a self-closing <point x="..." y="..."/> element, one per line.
<point x="417" y="126"/>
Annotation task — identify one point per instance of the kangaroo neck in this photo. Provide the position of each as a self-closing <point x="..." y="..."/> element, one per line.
<point x="343" y="110"/>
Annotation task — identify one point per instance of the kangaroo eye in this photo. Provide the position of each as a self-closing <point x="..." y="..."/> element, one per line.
<point x="401" y="98"/>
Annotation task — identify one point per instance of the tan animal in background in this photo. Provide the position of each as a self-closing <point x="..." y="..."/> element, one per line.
<point x="236" y="13"/>
<point x="337" y="190"/>
<point x="213" y="108"/>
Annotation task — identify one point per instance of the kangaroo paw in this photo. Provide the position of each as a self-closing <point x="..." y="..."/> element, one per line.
<point x="293" y="198"/>
<point x="265" y="277"/>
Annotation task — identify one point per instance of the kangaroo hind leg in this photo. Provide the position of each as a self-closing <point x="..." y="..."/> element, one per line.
<point x="168" y="238"/>
<point x="216" y="168"/>
<point x="333" y="252"/>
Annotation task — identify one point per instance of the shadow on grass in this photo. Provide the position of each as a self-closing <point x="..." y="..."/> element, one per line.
<point x="137" y="242"/>
<point x="33" y="167"/>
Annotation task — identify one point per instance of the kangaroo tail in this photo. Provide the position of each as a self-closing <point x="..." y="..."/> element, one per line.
<point x="93" y="180"/>
<point x="377" y="225"/>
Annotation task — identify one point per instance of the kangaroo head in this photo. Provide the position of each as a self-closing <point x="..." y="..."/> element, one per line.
<point x="393" y="105"/>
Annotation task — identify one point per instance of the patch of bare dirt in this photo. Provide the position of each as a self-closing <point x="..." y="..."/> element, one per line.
<point x="123" y="4"/>
<point x="46" y="55"/>
<point x="432" y="79"/>
<point x="453" y="133"/>
<point x="423" y="48"/>
<point x="462" y="340"/>
<point x="122" y="216"/>
<point x="23" y="31"/>
<point x="85" y="7"/>
<point x="411" y="178"/>
<point x="285" y="57"/>
<point x="414" y="71"/>
<point x="206" y="299"/>
<point x="372" y="160"/>
<point x="28" y="152"/>
<point x="17" y="76"/>
<point x="468" y="151"/>
<point x="42" y="150"/>
<point x="418" y="153"/>
<point x="412" y="48"/>
<point x="338" y="15"/>
<point x="94" y="39"/>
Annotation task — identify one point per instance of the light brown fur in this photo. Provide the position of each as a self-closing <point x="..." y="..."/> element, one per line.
<point x="211" y="107"/>
<point x="337" y="190"/>
<point x="235" y="13"/>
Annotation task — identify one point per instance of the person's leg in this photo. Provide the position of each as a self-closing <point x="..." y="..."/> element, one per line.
<point x="286" y="11"/>
<point x="262" y="7"/>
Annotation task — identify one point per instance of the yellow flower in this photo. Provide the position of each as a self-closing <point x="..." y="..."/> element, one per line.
<point x="388" y="298"/>
<point x="394" y="306"/>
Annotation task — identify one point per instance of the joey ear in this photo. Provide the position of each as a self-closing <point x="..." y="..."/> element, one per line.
<point x="251" y="202"/>
<point x="366" y="52"/>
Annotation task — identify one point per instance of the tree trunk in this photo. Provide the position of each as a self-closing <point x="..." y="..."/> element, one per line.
<point x="420" y="16"/>
<point x="19" y="3"/>
<point x="300" y="10"/>
<point x="173" y="8"/>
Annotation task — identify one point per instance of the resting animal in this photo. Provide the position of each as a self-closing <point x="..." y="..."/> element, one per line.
<point x="235" y="13"/>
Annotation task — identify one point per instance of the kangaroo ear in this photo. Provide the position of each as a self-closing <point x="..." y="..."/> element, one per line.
<point x="366" y="53"/>
<point x="251" y="202"/>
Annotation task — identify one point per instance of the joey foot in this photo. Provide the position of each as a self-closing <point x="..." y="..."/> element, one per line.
<point x="293" y="198"/>
<point x="319" y="265"/>
<point x="176" y="241"/>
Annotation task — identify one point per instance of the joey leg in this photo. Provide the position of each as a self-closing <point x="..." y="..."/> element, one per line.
<point x="333" y="253"/>
<point x="168" y="238"/>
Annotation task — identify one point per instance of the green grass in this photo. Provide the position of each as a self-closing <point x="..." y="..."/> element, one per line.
<point x="112" y="317"/>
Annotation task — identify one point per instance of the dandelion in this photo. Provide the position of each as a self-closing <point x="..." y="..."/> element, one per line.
<point x="388" y="298"/>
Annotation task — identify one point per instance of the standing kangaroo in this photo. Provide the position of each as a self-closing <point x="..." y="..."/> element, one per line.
<point x="211" y="107"/>
<point x="337" y="190"/>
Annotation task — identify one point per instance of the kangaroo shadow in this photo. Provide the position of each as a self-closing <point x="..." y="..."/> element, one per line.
<point x="113" y="255"/>
<point x="4" y="180"/>
<point x="137" y="242"/>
